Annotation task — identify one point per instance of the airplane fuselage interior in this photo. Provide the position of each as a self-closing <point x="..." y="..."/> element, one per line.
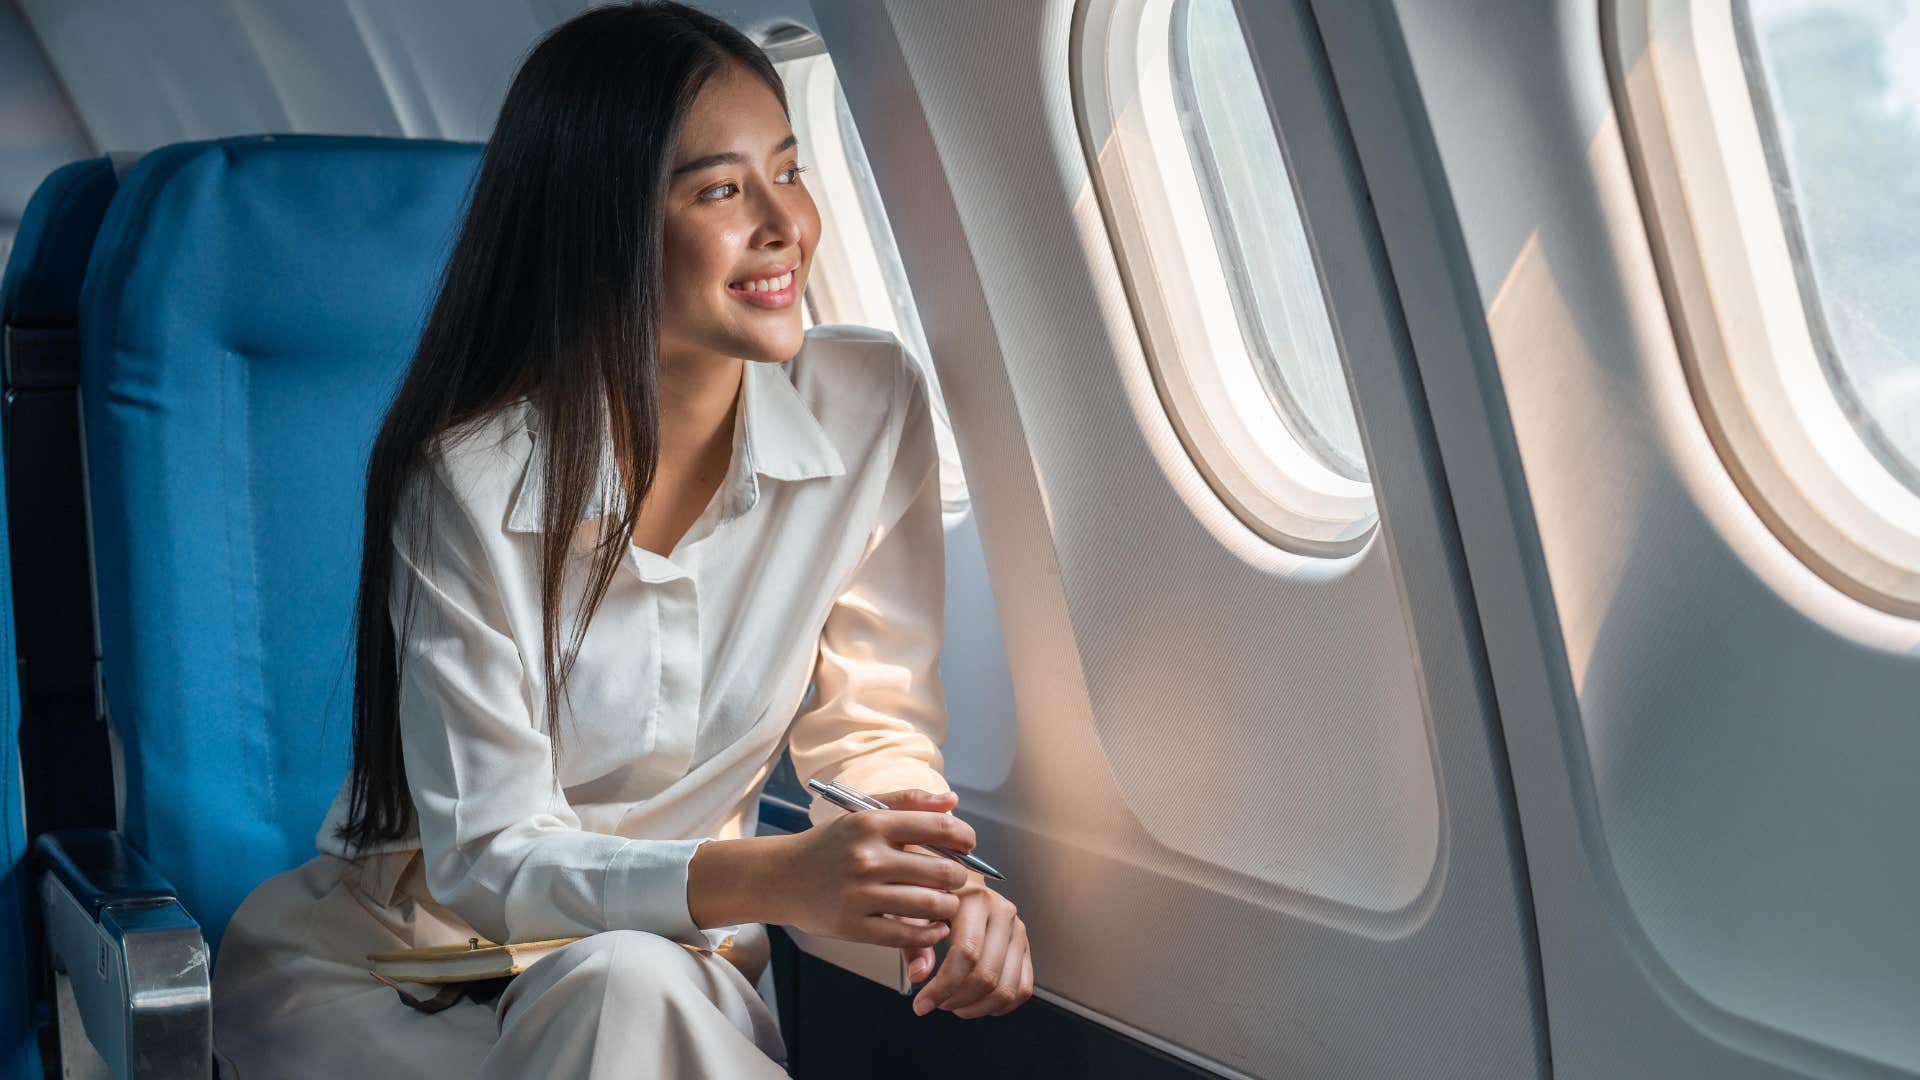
<point x="1392" y="525"/>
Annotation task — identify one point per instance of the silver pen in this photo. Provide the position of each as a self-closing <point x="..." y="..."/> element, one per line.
<point x="855" y="800"/>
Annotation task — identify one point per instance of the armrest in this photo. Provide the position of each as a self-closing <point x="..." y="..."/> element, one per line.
<point x="99" y="868"/>
<point x="136" y="960"/>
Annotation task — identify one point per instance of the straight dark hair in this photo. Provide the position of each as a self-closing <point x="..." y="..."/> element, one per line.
<point x="553" y="292"/>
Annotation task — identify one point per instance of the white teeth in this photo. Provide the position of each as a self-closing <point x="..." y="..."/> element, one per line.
<point x="769" y="284"/>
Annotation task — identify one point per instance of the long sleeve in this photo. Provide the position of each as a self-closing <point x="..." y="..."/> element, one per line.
<point x="502" y="846"/>
<point x="879" y="717"/>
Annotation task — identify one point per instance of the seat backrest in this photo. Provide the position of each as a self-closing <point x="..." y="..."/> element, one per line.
<point x="41" y="287"/>
<point x="248" y="310"/>
<point x="19" y="1054"/>
<point x="69" y="779"/>
<point x="39" y="465"/>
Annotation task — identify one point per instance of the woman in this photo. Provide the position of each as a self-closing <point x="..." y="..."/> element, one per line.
<point x="610" y="539"/>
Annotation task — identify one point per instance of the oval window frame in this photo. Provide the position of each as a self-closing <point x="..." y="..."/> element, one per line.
<point x="1752" y="362"/>
<point x="1144" y="176"/>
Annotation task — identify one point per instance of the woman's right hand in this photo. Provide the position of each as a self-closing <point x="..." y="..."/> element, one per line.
<point x="851" y="879"/>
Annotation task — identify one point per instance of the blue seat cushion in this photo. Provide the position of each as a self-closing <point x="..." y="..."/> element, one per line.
<point x="42" y="282"/>
<point x="247" y="312"/>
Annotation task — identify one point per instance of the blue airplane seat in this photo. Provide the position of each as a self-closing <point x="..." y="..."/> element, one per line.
<point x="61" y="741"/>
<point x="41" y="287"/>
<point x="248" y="309"/>
<point x="39" y="363"/>
<point x="19" y="1054"/>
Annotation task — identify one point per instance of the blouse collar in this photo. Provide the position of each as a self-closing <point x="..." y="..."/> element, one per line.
<point x="775" y="436"/>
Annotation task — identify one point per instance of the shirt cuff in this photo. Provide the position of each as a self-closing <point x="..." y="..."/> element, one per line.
<point x="647" y="890"/>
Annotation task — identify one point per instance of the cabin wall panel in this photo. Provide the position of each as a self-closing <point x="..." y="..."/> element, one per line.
<point x="1714" y="762"/>
<point x="144" y="75"/>
<point x="1138" y="624"/>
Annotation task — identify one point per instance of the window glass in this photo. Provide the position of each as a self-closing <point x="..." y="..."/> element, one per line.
<point x="857" y="275"/>
<point x="1258" y="229"/>
<point x="1836" y="87"/>
<point x="905" y="320"/>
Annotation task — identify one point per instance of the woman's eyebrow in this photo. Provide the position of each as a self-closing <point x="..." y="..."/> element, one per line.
<point x="730" y="157"/>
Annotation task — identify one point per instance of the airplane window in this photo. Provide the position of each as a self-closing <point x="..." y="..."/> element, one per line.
<point x="1256" y="225"/>
<point x="1838" y="99"/>
<point x="1192" y="179"/>
<point x="1778" y="153"/>
<point x="858" y="276"/>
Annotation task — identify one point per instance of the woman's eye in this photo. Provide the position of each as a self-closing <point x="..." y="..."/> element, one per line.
<point x="723" y="192"/>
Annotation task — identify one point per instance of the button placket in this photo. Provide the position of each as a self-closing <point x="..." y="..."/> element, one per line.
<point x="674" y="597"/>
<point x="680" y="663"/>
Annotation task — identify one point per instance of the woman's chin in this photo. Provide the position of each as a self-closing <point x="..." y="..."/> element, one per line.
<point x="775" y="348"/>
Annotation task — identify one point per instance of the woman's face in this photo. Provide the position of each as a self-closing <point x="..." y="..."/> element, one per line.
<point x="740" y="228"/>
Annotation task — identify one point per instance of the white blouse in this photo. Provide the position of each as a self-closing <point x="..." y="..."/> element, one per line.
<point x="819" y="559"/>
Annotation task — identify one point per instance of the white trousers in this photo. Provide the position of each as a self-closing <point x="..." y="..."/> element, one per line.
<point x="292" y="997"/>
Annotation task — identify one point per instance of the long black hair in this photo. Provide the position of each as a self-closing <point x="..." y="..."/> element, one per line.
<point x="553" y="292"/>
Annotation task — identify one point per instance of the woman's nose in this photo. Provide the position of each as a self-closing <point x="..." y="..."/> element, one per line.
<point x="779" y="225"/>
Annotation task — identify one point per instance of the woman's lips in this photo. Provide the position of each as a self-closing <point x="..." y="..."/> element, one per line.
<point x="777" y="298"/>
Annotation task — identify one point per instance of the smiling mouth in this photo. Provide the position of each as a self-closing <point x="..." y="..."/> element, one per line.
<point x="778" y="291"/>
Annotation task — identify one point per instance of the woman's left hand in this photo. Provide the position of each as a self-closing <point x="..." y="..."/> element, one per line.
<point x="988" y="970"/>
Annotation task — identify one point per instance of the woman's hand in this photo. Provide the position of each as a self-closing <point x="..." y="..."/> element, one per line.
<point x="851" y="879"/>
<point x="988" y="970"/>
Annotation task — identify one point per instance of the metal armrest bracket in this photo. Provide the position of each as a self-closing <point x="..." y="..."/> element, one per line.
<point x="138" y="965"/>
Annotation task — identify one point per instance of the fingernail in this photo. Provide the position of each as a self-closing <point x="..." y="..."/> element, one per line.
<point x="920" y="1006"/>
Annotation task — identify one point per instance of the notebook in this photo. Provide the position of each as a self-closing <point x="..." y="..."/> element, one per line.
<point x="477" y="959"/>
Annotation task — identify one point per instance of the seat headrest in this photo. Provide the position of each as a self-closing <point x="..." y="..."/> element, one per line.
<point x="273" y="241"/>
<point x="42" y="283"/>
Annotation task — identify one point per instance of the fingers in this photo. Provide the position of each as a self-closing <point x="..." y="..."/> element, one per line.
<point x="882" y="864"/>
<point x="1014" y="987"/>
<point x="913" y="901"/>
<point x="918" y="959"/>
<point x="997" y="966"/>
<point x="922" y="827"/>
<point x="929" y="871"/>
<point x="965" y="949"/>
<point x="918" y="799"/>
<point x="881" y="930"/>
<point x="919" y="963"/>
